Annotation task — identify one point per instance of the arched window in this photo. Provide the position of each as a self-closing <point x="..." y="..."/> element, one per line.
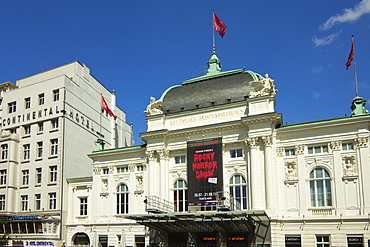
<point x="180" y="196"/>
<point x="320" y="189"/>
<point x="122" y="199"/>
<point x="238" y="188"/>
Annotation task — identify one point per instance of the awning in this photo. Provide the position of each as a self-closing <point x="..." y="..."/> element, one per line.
<point x="204" y="221"/>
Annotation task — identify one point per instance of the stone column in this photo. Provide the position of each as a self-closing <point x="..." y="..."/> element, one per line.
<point x="255" y="195"/>
<point x="163" y="178"/>
<point x="362" y="147"/>
<point x="152" y="173"/>
<point x="269" y="183"/>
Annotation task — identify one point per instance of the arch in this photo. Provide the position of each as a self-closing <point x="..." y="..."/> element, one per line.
<point x="238" y="188"/>
<point x="122" y="195"/>
<point x="80" y="238"/>
<point x="320" y="187"/>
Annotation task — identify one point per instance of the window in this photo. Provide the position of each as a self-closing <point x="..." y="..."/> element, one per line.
<point x="290" y="152"/>
<point x="40" y="127"/>
<point x="320" y="189"/>
<point x="3" y="177"/>
<point x="347" y="146"/>
<point x="39" y="149"/>
<point x="27" y="103"/>
<point x="236" y="153"/>
<point x="322" y="241"/>
<point x="180" y="159"/>
<point x="54" y="147"/>
<point x="54" y="124"/>
<point x="4" y="151"/>
<point x="105" y="170"/>
<point x="37" y="201"/>
<point x="24" y="202"/>
<point x="53" y="173"/>
<point x="12" y="107"/>
<point x="318" y="149"/>
<point x="122" y="199"/>
<point x="41" y="99"/>
<point x="180" y="196"/>
<point x="238" y="189"/>
<point x="26" y="151"/>
<point x="38" y="175"/>
<point x="25" y="177"/>
<point x="122" y="169"/>
<point x="2" y="202"/>
<point x="83" y="206"/>
<point x="53" y="200"/>
<point x="27" y="130"/>
<point x="139" y="168"/>
<point x="56" y="95"/>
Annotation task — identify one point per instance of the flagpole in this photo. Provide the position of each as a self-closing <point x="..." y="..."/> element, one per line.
<point x="101" y="108"/>
<point x="213" y="32"/>
<point x="354" y="66"/>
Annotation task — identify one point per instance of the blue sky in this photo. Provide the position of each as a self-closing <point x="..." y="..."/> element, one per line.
<point x="140" y="48"/>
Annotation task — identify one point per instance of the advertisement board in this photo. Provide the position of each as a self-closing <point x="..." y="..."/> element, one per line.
<point x="204" y="168"/>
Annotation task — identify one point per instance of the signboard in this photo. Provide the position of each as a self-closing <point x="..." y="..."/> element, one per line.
<point x="204" y="167"/>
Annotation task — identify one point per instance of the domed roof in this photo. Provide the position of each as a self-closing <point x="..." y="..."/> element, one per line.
<point x="209" y="90"/>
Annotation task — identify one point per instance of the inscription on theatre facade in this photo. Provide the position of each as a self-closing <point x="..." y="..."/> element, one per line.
<point x="205" y="117"/>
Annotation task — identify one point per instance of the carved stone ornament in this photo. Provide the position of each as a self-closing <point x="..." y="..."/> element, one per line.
<point x="291" y="170"/>
<point x="265" y="86"/>
<point x="267" y="140"/>
<point x="299" y="149"/>
<point x="280" y="151"/>
<point x="152" y="155"/>
<point x="362" y="142"/>
<point x="164" y="154"/>
<point x="335" y="145"/>
<point x="104" y="185"/>
<point x="97" y="170"/>
<point x="349" y="165"/>
<point x="139" y="184"/>
<point x="154" y="107"/>
<point x="252" y="142"/>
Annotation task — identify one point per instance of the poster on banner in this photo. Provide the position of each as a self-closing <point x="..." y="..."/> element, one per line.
<point x="204" y="167"/>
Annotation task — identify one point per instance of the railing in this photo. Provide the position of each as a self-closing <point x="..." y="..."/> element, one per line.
<point x="226" y="201"/>
<point x="322" y="211"/>
<point x="154" y="204"/>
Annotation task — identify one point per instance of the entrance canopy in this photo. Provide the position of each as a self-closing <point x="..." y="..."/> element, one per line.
<point x="204" y="221"/>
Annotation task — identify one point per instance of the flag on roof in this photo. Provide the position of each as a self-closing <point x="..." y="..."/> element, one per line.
<point x="219" y="25"/>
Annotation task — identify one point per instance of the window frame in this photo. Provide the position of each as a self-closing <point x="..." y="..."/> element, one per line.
<point x="41" y="99"/>
<point x="4" y="151"/>
<point x="83" y="206"/>
<point x="38" y="175"/>
<point x="320" y="188"/>
<point x="236" y="153"/>
<point x="56" y="95"/>
<point x="12" y="107"/>
<point x="27" y="103"/>
<point x="180" y="195"/>
<point x="53" y="170"/>
<point x="40" y="149"/>
<point x="25" y="177"/>
<point x="318" y="149"/>
<point x="238" y="188"/>
<point x="54" y="147"/>
<point x="24" y="203"/>
<point x="52" y="200"/>
<point x="38" y="202"/>
<point x="2" y="202"/>
<point x="180" y="159"/>
<point x="26" y="151"/>
<point x="3" y="176"/>
<point x="122" y="199"/>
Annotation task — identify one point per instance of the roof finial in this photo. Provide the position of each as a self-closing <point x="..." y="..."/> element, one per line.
<point x="214" y="64"/>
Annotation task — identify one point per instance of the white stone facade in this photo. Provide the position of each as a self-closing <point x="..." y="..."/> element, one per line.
<point x="49" y="122"/>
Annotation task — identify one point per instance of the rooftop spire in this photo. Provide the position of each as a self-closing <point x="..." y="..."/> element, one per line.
<point x="214" y="64"/>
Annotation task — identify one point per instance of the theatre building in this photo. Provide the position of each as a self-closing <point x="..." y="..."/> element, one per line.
<point x="49" y="122"/>
<point x="218" y="168"/>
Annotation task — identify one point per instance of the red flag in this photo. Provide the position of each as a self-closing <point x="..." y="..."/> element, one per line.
<point x="351" y="55"/>
<point x="105" y="107"/>
<point x="219" y="25"/>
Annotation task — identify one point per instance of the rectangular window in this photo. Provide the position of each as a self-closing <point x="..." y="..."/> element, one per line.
<point x="236" y="153"/>
<point x="140" y="168"/>
<point x="53" y="200"/>
<point x="25" y="177"/>
<point x="26" y="151"/>
<point x="41" y="99"/>
<point x="39" y="149"/>
<point x="105" y="170"/>
<point x="347" y="146"/>
<point x="2" y="202"/>
<point x="27" y="130"/>
<point x="322" y="241"/>
<point x="83" y="206"/>
<point x="56" y="95"/>
<point x="40" y="127"/>
<point x="38" y="175"/>
<point x="180" y="159"/>
<point x="290" y="152"/>
<point x="37" y="201"/>
<point x="53" y="173"/>
<point x="3" y="177"/>
<point x="318" y="149"/>
<point x="24" y="202"/>
<point x="12" y="107"/>
<point x="27" y="103"/>
<point x="122" y="169"/>
<point x="4" y="151"/>
<point x="54" y="124"/>
<point x="54" y="147"/>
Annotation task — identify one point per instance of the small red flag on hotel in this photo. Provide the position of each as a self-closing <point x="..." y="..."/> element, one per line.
<point x="105" y="107"/>
<point x="219" y="25"/>
<point x="351" y="55"/>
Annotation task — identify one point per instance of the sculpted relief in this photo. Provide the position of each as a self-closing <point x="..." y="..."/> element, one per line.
<point x="265" y="86"/>
<point x="154" y="107"/>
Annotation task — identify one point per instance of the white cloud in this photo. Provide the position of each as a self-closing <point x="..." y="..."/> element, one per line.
<point x="325" y="40"/>
<point x="316" y="70"/>
<point x="316" y="95"/>
<point x="348" y="15"/>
